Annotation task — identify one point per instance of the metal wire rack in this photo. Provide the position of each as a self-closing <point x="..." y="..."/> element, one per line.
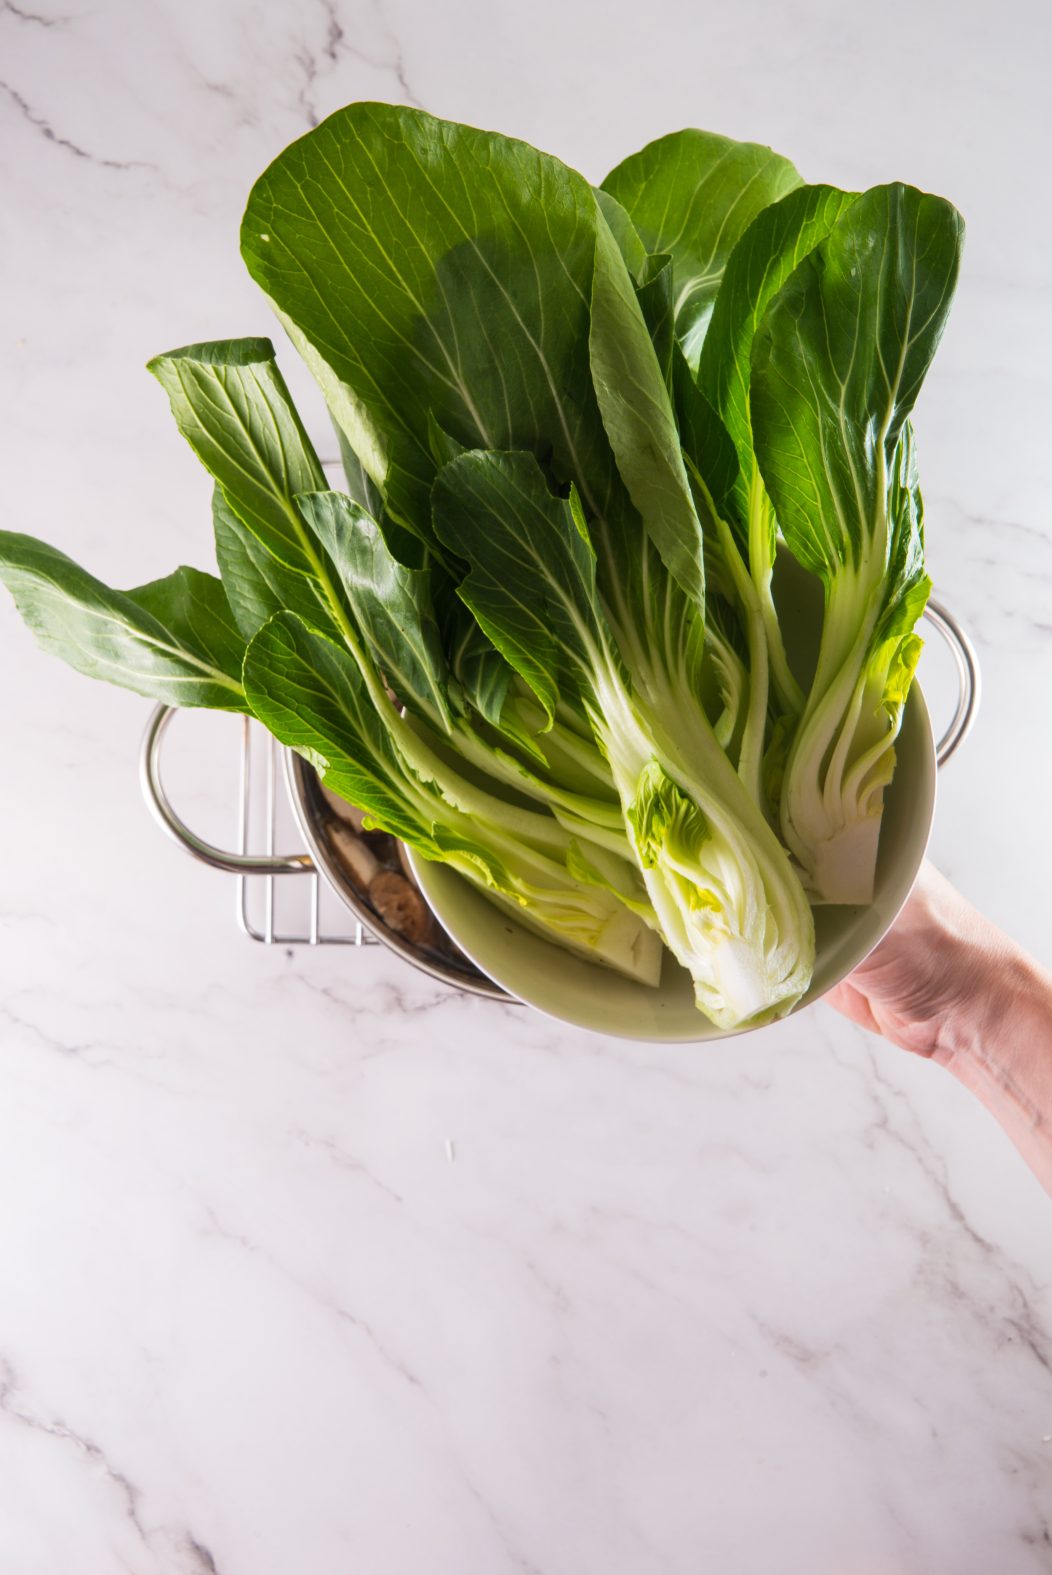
<point x="357" y="875"/>
<point x="256" y="741"/>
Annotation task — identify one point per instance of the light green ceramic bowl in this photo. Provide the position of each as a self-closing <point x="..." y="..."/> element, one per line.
<point x="589" y="995"/>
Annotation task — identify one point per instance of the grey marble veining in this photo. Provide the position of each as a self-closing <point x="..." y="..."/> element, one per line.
<point x="309" y="1264"/>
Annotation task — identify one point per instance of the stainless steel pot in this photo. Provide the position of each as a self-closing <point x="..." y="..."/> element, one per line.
<point x="331" y="854"/>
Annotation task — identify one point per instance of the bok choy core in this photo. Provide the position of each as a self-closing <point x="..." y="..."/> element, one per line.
<point x="536" y="633"/>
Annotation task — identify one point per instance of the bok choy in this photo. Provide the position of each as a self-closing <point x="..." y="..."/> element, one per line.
<point x="536" y="634"/>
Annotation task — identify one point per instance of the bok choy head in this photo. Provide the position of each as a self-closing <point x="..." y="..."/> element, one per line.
<point x="826" y="314"/>
<point x="837" y="365"/>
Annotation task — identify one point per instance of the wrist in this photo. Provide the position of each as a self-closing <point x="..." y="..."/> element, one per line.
<point x="999" y="1043"/>
<point x="982" y="1025"/>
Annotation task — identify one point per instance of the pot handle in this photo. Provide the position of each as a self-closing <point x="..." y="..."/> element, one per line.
<point x="160" y="807"/>
<point x="968" y="680"/>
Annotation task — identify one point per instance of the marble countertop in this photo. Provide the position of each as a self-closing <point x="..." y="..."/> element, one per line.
<point x="309" y="1264"/>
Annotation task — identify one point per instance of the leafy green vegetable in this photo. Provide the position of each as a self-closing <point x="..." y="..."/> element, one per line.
<point x="390" y="603"/>
<point x="639" y="419"/>
<point x="769" y="250"/>
<point x="692" y="194"/>
<point x="536" y="637"/>
<point x="173" y="640"/>
<point x="899" y="253"/>
<point x="434" y="274"/>
<point x="838" y="361"/>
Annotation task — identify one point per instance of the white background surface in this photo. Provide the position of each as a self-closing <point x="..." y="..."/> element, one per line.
<point x="777" y="1307"/>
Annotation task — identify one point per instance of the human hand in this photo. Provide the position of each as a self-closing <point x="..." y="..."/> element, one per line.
<point x="936" y="976"/>
<point x="948" y="984"/>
